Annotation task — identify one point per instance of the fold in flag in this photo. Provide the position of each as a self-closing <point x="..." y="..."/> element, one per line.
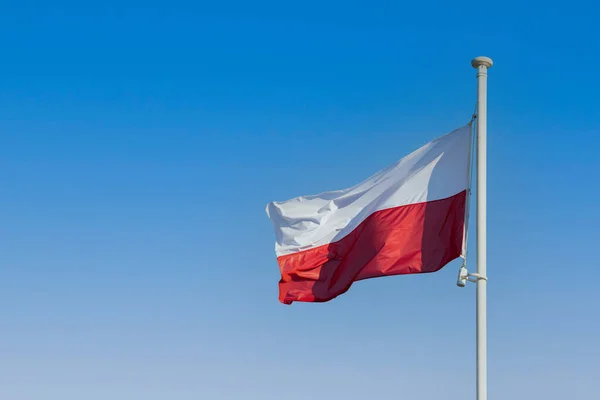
<point x="406" y="219"/>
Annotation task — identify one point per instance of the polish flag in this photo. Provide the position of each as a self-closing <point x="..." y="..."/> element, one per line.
<point x="406" y="219"/>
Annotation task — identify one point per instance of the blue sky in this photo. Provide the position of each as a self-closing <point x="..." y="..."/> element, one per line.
<point x="141" y="141"/>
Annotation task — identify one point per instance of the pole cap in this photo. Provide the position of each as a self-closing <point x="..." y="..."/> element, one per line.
<point x="479" y="61"/>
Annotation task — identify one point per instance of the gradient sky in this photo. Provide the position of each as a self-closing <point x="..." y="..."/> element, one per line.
<point x="141" y="141"/>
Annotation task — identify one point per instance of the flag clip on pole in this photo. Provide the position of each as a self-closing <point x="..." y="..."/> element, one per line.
<point x="481" y="64"/>
<point x="464" y="276"/>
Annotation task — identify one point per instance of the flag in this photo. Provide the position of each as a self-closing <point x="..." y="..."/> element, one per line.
<point x="406" y="219"/>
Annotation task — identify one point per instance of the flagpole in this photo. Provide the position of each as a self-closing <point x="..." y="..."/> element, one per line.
<point x="481" y="64"/>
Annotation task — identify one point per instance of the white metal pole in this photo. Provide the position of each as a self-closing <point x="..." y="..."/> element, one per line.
<point x="481" y="64"/>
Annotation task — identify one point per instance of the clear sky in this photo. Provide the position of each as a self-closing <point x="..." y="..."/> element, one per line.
<point x="140" y="143"/>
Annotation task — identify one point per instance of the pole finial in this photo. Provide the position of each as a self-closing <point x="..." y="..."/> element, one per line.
<point x="479" y="61"/>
